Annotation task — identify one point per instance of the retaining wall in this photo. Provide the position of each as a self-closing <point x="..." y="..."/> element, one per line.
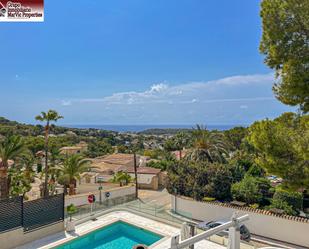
<point x="82" y="199"/>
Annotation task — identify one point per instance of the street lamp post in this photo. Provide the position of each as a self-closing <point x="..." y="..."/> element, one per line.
<point x="100" y="189"/>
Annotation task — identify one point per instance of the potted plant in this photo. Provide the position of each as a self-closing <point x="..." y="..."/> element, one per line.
<point x="70" y="226"/>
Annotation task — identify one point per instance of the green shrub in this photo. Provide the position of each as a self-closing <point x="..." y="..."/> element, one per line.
<point x="256" y="170"/>
<point x="272" y="190"/>
<point x="200" y="179"/>
<point x="162" y="164"/>
<point x="247" y="190"/>
<point x="264" y="187"/>
<point x="219" y="183"/>
<point x="209" y="199"/>
<point x="254" y="205"/>
<point x="283" y="205"/>
<point x="71" y="209"/>
<point x="294" y="199"/>
<point x="238" y="172"/>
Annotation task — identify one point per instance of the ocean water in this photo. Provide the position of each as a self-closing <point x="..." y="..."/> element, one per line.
<point x="119" y="235"/>
<point x="138" y="128"/>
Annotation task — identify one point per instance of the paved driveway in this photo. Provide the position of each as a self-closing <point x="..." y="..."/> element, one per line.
<point x="161" y="198"/>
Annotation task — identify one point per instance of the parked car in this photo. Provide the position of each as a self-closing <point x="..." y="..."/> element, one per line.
<point x="244" y="231"/>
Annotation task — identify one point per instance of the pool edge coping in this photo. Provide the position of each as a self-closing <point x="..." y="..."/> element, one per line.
<point x="165" y="236"/>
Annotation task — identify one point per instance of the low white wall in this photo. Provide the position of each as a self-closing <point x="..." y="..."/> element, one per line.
<point x="82" y="199"/>
<point x="143" y="178"/>
<point x="17" y="237"/>
<point x="270" y="226"/>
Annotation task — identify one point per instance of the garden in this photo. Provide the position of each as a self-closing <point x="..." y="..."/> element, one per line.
<point x="263" y="166"/>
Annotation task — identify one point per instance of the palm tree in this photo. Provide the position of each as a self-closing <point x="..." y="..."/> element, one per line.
<point x="50" y="116"/>
<point x="181" y="140"/>
<point x="123" y="178"/>
<point x="209" y="146"/>
<point x="71" y="169"/>
<point x="10" y="148"/>
<point x="55" y="159"/>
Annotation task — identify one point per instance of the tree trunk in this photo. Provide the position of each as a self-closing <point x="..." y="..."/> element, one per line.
<point x="46" y="191"/>
<point x="4" y="188"/>
<point x="71" y="189"/>
<point x="65" y="189"/>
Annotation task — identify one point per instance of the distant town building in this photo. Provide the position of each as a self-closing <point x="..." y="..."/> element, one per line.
<point x="179" y="154"/>
<point x="71" y="150"/>
<point x="120" y="159"/>
<point x="106" y="166"/>
<point x="147" y="177"/>
<point x="71" y="133"/>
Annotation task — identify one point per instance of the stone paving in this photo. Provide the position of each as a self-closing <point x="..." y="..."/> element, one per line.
<point x="163" y="229"/>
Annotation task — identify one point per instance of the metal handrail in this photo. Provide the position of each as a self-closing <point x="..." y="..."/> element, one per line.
<point x="234" y="223"/>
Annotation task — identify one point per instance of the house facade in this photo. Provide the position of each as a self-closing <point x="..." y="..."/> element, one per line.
<point x="105" y="167"/>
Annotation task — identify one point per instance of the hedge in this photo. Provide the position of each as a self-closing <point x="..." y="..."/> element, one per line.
<point x="294" y="199"/>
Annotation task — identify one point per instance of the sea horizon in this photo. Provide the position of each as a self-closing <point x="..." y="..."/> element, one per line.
<point x="141" y="127"/>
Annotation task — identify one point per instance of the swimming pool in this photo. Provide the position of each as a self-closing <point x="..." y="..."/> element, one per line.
<point x="118" y="235"/>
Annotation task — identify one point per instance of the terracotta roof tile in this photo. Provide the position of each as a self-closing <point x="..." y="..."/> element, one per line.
<point x="144" y="170"/>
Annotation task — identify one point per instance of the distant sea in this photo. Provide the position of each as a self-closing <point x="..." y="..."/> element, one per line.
<point x="138" y="128"/>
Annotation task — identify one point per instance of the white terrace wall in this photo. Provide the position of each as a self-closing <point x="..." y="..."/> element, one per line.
<point x="290" y="229"/>
<point x="17" y="237"/>
<point x="82" y="199"/>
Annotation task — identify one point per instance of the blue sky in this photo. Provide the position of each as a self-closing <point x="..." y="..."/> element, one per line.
<point x="138" y="62"/>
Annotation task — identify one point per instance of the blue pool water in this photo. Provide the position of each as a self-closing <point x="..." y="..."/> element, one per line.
<point x="119" y="235"/>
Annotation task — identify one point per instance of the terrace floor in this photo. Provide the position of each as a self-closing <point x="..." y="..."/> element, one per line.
<point x="166" y="230"/>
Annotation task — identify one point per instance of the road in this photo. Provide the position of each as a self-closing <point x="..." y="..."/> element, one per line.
<point x="160" y="198"/>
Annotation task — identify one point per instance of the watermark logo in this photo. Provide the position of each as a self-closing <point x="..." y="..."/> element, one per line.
<point x="21" y="11"/>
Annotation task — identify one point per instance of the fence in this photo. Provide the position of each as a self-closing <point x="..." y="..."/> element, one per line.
<point x="86" y="210"/>
<point x="15" y="213"/>
<point x="147" y="208"/>
<point x="10" y="213"/>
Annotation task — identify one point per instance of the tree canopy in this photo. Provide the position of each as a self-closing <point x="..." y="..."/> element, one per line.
<point x="200" y="179"/>
<point x="208" y="145"/>
<point x="285" y="42"/>
<point x="282" y="147"/>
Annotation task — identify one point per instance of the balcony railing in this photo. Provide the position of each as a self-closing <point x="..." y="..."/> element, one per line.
<point x="234" y="234"/>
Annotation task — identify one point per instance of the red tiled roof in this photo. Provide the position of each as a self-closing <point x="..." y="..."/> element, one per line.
<point x="118" y="158"/>
<point x="177" y="153"/>
<point x="144" y="170"/>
